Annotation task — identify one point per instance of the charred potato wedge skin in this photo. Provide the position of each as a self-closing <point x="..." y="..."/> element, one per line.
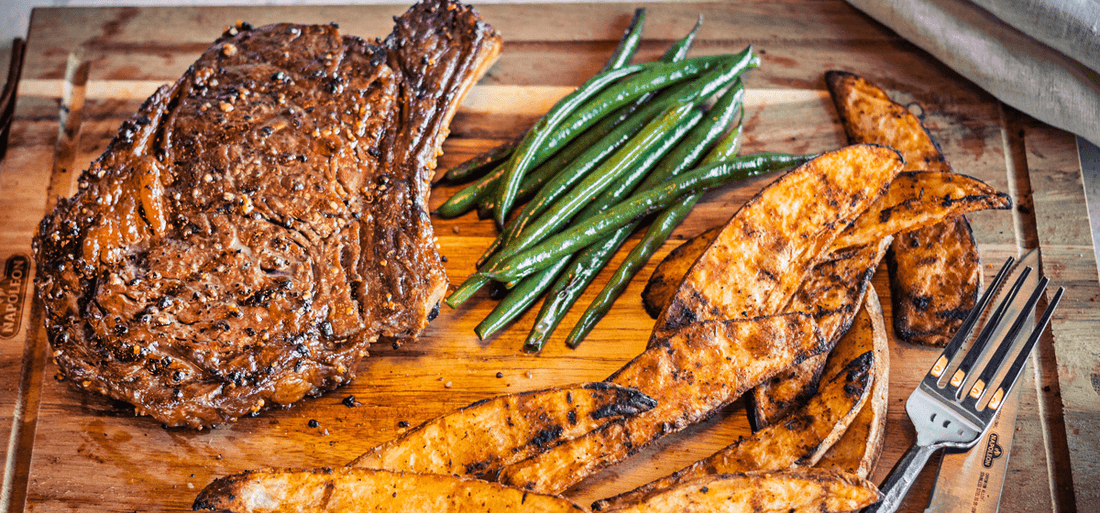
<point x="939" y="261"/>
<point x="796" y="491"/>
<point x="935" y="279"/>
<point x="482" y="438"/>
<point x="704" y="367"/>
<point x="858" y="450"/>
<point x="795" y="441"/>
<point x="352" y="490"/>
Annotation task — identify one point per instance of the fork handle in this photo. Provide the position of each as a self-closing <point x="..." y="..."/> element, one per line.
<point x="901" y="478"/>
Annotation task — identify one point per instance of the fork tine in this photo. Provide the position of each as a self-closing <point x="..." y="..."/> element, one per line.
<point x="1017" y="367"/>
<point x="967" y="327"/>
<point x="1002" y="350"/>
<point x="977" y="349"/>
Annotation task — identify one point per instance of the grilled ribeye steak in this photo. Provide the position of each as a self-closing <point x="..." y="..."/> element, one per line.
<point x="259" y="223"/>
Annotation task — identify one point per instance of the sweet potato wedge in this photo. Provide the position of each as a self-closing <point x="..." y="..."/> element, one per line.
<point x="859" y="448"/>
<point x="482" y="438"/>
<point x="920" y="198"/>
<point x="823" y="290"/>
<point x="703" y="367"/>
<point x="670" y="272"/>
<point x="785" y="392"/>
<point x="353" y="490"/>
<point x="870" y="116"/>
<point x="914" y="199"/>
<point x="939" y="261"/>
<point x="798" y="440"/>
<point x="793" y="491"/>
<point x="935" y="279"/>
<point x="763" y="253"/>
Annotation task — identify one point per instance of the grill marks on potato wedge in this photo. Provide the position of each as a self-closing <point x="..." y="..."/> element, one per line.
<point x="482" y="438"/>
<point x="775" y="398"/>
<point x="935" y="279"/>
<point x="763" y="253"/>
<point x="802" y="490"/>
<point x="940" y="261"/>
<point x="801" y="438"/>
<point x="353" y="490"/>
<point x="859" y="448"/>
<point x="703" y="367"/>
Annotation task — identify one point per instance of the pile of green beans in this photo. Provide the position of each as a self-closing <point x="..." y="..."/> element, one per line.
<point x="632" y="143"/>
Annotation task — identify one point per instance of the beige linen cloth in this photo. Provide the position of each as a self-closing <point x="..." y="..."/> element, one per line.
<point x="1039" y="56"/>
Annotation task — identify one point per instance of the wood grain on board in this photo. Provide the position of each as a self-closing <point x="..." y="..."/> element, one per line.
<point x="70" y="450"/>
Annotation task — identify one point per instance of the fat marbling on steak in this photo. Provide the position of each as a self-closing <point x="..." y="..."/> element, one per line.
<point x="256" y="225"/>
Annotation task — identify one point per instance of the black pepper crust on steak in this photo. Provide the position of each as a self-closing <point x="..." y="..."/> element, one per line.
<point x="256" y="225"/>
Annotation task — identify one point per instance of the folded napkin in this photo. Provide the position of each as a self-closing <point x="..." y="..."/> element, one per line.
<point x="1039" y="56"/>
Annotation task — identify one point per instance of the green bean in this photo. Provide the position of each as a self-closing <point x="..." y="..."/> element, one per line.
<point x="694" y="91"/>
<point x="679" y="49"/>
<point x="628" y="44"/>
<point x="517" y="301"/>
<point x="476" y="167"/>
<point x="548" y="167"/>
<point x="546" y="170"/>
<point x="728" y="147"/>
<point x="644" y="203"/>
<point x="466" y="199"/>
<point x="654" y="136"/>
<point x="586" y="265"/>
<point x="583" y="268"/>
<point x="676" y="52"/>
<point x="652" y="79"/>
<point x="684" y="156"/>
<point x="480" y="193"/>
<point x="564" y="180"/>
<point x="707" y="135"/>
<point x="534" y="141"/>
<point x="524" y="294"/>
<point x="666" y="222"/>
<point x="547" y="136"/>
<point x="613" y="180"/>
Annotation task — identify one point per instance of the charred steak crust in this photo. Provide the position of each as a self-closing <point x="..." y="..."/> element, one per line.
<point x="260" y="222"/>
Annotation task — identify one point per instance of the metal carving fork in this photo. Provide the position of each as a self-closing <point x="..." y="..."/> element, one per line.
<point x="950" y="416"/>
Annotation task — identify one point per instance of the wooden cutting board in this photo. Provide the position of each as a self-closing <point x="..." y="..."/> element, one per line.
<point x="91" y="68"/>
